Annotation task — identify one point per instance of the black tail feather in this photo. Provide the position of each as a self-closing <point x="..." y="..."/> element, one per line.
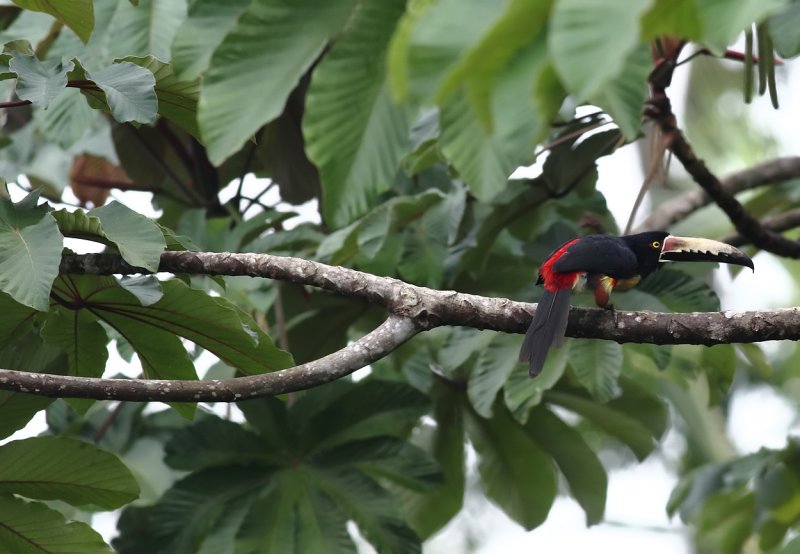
<point x="547" y="329"/>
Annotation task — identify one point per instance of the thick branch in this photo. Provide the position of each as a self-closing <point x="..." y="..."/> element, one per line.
<point x="412" y="310"/>
<point x="681" y="206"/>
<point x="778" y="223"/>
<point x="372" y="347"/>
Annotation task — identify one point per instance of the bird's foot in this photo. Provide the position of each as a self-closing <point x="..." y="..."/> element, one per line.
<point x="613" y="311"/>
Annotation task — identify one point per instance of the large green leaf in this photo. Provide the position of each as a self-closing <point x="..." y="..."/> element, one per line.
<point x="680" y="292"/>
<point x="521" y="393"/>
<point x="128" y="91"/>
<point x="59" y="468"/>
<point x="430" y="511"/>
<point x="207" y="23"/>
<point x="214" y="442"/>
<point x="616" y="423"/>
<point x="590" y="41"/>
<point x="32" y="527"/>
<point x="581" y="467"/>
<point x="177" y="98"/>
<point x="66" y="119"/>
<point x="354" y="133"/>
<point x="492" y="367"/>
<point x="39" y="81"/>
<point x="258" y="64"/>
<point x="372" y="409"/>
<point x="146" y="29"/>
<point x="296" y="518"/>
<point x="189" y="510"/>
<point x="515" y="472"/>
<point x="371" y="507"/>
<point x="597" y="364"/>
<point x="83" y="339"/>
<point x="25" y="353"/>
<point x="672" y="17"/>
<point x="623" y="96"/>
<point x="486" y="155"/>
<point x="78" y="15"/>
<point x="431" y="39"/>
<point x="30" y="251"/>
<point x="783" y="30"/>
<point x="213" y="323"/>
<point x="138" y="238"/>
<point x="386" y="458"/>
<point x="724" y="21"/>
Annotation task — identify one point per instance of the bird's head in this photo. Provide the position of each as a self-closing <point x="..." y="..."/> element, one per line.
<point x="654" y="247"/>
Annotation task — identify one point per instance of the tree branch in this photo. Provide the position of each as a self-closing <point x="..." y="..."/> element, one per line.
<point x="777" y="223"/>
<point x="660" y="110"/>
<point x="681" y="206"/>
<point x="383" y="340"/>
<point x="412" y="309"/>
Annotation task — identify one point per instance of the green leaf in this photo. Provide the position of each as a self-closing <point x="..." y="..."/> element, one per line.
<point x="492" y="367"/>
<point x="431" y="39"/>
<point x="430" y="511"/>
<point x="386" y="458"/>
<point x="32" y="523"/>
<point x="30" y="251"/>
<point x="680" y="292"/>
<point x="59" y="468"/>
<point x="372" y="409"/>
<point x="371" y="508"/>
<point x="215" y="442"/>
<point x="146" y="29"/>
<point x="723" y="21"/>
<point x="189" y="510"/>
<point x="78" y="15"/>
<point x="146" y="288"/>
<point x="67" y="118"/>
<point x="129" y="91"/>
<point x="515" y="472"/>
<point x="486" y="155"/>
<point x="586" y="476"/>
<point x="672" y="17"/>
<point x="626" y="428"/>
<point x="597" y="365"/>
<point x="258" y="64"/>
<point x="521" y="393"/>
<point x="590" y="41"/>
<point x="296" y="518"/>
<point x="213" y="323"/>
<point x="719" y="363"/>
<point x="26" y="352"/>
<point x="783" y="30"/>
<point x="206" y="25"/>
<point x="354" y="133"/>
<point x="79" y="334"/>
<point x="623" y="96"/>
<point x="39" y="81"/>
<point x="138" y="238"/>
<point x="177" y="99"/>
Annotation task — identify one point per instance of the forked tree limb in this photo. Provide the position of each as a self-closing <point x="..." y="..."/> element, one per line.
<point x="412" y="309"/>
<point x="660" y="111"/>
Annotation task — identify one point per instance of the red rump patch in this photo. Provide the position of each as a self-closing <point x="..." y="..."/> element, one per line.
<point x="553" y="280"/>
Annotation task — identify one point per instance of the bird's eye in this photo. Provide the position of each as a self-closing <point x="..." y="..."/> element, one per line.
<point x="655" y="244"/>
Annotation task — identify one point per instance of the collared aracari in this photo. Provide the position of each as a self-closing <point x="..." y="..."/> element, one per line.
<point x="603" y="263"/>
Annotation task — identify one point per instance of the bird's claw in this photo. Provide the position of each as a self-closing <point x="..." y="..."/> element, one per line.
<point x="613" y="311"/>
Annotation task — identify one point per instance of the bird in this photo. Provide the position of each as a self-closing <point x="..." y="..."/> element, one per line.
<point x="603" y="263"/>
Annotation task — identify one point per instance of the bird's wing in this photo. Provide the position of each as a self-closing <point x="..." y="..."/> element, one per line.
<point x="603" y="254"/>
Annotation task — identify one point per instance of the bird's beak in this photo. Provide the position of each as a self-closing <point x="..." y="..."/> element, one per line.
<point x="690" y="249"/>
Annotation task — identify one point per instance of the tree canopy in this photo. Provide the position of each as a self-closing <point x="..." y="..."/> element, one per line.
<point x="326" y="175"/>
